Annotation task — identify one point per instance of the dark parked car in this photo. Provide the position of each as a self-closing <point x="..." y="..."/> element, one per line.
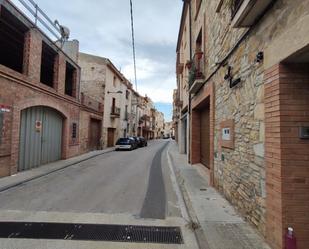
<point x="125" y="143"/>
<point x="142" y="142"/>
<point x="136" y="142"/>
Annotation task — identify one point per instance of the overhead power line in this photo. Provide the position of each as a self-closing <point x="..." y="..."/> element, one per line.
<point x="133" y="43"/>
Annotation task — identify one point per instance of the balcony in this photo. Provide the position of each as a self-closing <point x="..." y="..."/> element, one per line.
<point x="246" y="12"/>
<point x="196" y="73"/>
<point x="115" y="112"/>
<point x="145" y="117"/>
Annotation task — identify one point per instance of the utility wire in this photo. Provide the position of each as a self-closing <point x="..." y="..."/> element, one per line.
<point x="133" y="43"/>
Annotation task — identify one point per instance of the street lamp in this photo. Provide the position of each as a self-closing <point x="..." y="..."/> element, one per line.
<point x="114" y="92"/>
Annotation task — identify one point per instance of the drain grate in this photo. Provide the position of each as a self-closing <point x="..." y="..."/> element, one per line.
<point x="93" y="232"/>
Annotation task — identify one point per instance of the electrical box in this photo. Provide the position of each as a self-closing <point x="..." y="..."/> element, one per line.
<point x="226" y="135"/>
<point x="304" y="132"/>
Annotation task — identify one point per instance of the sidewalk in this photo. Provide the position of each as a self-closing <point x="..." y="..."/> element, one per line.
<point x="218" y="224"/>
<point x="25" y="176"/>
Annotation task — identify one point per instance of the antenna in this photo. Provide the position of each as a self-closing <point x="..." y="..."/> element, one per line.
<point x="64" y="31"/>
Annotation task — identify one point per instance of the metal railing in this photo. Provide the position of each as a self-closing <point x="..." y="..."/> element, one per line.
<point x="40" y="16"/>
<point x="197" y="68"/>
<point x="115" y="111"/>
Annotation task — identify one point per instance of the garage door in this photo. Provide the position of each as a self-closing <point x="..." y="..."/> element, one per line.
<point x="40" y="137"/>
<point x="205" y="137"/>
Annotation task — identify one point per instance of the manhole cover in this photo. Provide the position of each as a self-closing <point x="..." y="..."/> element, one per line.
<point x="93" y="232"/>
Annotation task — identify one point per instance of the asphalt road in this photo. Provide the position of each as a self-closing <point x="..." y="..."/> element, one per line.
<point x="132" y="182"/>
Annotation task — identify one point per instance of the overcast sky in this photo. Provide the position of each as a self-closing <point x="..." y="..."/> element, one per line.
<point x="103" y="28"/>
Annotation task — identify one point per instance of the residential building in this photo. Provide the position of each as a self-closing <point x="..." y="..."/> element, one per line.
<point x="247" y="77"/>
<point x="147" y="118"/>
<point x="42" y="115"/>
<point x="105" y="83"/>
<point x="168" y="129"/>
<point x="159" y="126"/>
<point x="183" y="63"/>
<point x="176" y="115"/>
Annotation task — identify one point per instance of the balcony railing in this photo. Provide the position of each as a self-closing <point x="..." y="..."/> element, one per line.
<point x="196" y="73"/>
<point x="115" y="112"/>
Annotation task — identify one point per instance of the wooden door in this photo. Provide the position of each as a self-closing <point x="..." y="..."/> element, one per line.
<point x="94" y="134"/>
<point x="110" y="137"/>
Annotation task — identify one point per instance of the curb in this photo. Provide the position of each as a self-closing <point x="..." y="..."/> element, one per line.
<point x="193" y="221"/>
<point x="2" y="189"/>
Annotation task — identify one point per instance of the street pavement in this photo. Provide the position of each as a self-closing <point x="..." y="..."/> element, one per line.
<point x="115" y="182"/>
<point x="122" y="187"/>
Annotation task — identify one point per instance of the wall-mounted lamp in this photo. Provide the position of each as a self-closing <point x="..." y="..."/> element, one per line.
<point x="114" y="92"/>
<point x="229" y="77"/>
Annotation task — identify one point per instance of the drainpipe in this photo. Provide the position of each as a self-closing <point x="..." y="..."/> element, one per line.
<point x="189" y="102"/>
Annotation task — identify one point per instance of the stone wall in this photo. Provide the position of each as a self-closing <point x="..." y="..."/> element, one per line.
<point x="93" y="76"/>
<point x="240" y="172"/>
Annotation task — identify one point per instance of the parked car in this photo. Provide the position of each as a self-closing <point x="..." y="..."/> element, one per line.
<point x="142" y="142"/>
<point x="136" y="142"/>
<point x="166" y="136"/>
<point x="125" y="143"/>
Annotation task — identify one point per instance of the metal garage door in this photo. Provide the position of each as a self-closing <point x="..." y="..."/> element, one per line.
<point x="205" y="137"/>
<point x="40" y="137"/>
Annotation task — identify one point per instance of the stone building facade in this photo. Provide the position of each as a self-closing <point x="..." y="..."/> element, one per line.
<point x="41" y="112"/>
<point x="249" y="113"/>
<point x="126" y="112"/>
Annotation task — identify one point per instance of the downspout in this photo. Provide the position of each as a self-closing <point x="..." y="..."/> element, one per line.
<point x="189" y="102"/>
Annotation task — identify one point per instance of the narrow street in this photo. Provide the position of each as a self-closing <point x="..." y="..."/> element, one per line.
<point x="117" y="182"/>
<point x="119" y="187"/>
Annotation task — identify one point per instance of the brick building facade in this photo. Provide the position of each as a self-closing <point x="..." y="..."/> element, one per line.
<point x="249" y="113"/>
<point x="41" y="110"/>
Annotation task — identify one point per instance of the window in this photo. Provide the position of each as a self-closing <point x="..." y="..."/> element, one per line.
<point x="47" y="65"/>
<point x="197" y="7"/>
<point x="74" y="130"/>
<point x="114" y="81"/>
<point x="127" y="94"/>
<point x="70" y="80"/>
<point x="199" y="41"/>
<point x="12" y="37"/>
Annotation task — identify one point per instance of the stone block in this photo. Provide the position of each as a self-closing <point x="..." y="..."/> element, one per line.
<point x="259" y="149"/>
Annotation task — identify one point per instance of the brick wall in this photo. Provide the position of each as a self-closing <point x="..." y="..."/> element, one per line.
<point x="287" y="156"/>
<point x="24" y="90"/>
